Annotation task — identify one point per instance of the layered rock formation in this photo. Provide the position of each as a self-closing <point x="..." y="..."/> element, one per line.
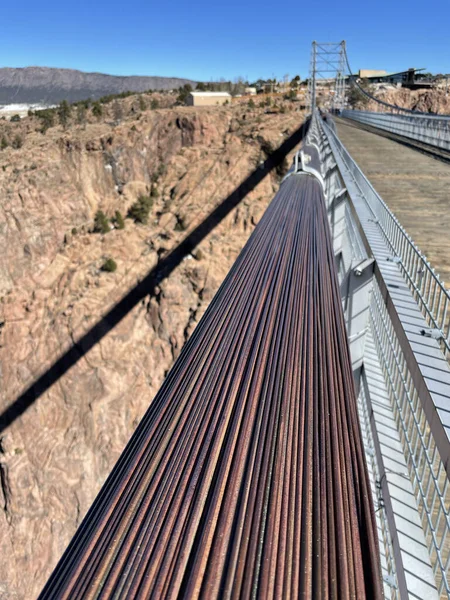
<point x="55" y="456"/>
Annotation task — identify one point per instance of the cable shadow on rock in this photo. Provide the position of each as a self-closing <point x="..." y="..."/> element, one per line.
<point x="147" y="286"/>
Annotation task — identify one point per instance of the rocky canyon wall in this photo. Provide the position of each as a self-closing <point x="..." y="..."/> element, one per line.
<point x="56" y="455"/>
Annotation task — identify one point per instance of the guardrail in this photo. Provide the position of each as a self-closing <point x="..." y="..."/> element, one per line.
<point x="426" y="468"/>
<point x="425" y="450"/>
<point x="430" y="129"/>
<point x="429" y="291"/>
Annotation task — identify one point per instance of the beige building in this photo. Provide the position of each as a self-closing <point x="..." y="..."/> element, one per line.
<point x="364" y="73"/>
<point x="208" y="98"/>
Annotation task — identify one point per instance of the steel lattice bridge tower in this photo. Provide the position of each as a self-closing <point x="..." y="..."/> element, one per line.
<point x="327" y="75"/>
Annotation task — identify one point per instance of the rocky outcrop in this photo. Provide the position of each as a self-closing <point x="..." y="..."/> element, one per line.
<point x="55" y="457"/>
<point x="434" y="100"/>
<point x="98" y="168"/>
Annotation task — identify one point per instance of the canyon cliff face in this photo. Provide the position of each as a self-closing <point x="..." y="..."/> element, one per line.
<point x="56" y="455"/>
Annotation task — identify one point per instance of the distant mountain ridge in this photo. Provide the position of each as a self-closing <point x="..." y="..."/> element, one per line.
<point x="49" y="85"/>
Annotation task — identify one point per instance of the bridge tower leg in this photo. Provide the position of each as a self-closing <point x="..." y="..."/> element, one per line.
<point x="327" y="75"/>
<point x="312" y="79"/>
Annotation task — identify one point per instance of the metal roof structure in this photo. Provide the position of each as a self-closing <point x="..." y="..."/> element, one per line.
<point x="211" y="94"/>
<point x="396" y="74"/>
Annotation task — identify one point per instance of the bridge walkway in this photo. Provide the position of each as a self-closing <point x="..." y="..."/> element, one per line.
<point x="415" y="186"/>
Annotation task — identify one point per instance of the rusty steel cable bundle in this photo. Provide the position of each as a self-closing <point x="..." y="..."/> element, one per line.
<point x="246" y="477"/>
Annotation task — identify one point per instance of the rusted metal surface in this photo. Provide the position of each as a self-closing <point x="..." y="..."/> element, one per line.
<point x="246" y="477"/>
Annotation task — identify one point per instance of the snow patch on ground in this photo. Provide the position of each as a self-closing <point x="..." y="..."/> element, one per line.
<point x="7" y="110"/>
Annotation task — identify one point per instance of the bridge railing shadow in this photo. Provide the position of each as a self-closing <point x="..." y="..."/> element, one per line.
<point x="147" y="286"/>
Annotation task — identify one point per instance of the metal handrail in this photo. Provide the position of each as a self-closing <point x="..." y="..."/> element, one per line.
<point x="432" y="492"/>
<point x="430" y="292"/>
<point x="433" y="130"/>
<point x="425" y="449"/>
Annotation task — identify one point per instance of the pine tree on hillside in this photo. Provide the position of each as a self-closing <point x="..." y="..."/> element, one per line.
<point x="117" y="112"/>
<point x="81" y="114"/>
<point x="97" y="110"/>
<point x="101" y="223"/>
<point x="64" y="111"/>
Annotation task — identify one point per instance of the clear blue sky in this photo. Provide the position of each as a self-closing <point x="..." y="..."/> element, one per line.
<point x="204" y="39"/>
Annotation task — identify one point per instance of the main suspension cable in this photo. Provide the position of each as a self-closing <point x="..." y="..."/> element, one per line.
<point x="353" y="81"/>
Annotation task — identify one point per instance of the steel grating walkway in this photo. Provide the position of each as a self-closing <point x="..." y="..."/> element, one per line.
<point x="419" y="577"/>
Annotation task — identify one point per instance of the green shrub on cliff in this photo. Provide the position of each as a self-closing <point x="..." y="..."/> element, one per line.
<point x="118" y="220"/>
<point x="140" y="210"/>
<point x="47" y="117"/>
<point x="17" y="142"/>
<point x="109" y="266"/>
<point x="101" y="223"/>
<point x="81" y="114"/>
<point x="64" y="112"/>
<point x="97" y="110"/>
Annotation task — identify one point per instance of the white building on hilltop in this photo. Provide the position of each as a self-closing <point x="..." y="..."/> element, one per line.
<point x="208" y="98"/>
